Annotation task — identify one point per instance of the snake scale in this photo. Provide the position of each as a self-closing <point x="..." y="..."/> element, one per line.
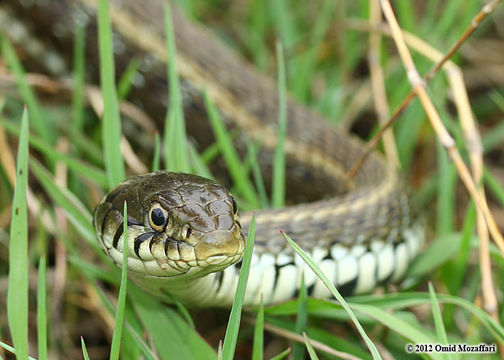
<point x="185" y="236"/>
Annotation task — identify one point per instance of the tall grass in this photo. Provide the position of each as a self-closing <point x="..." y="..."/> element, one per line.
<point x="325" y="68"/>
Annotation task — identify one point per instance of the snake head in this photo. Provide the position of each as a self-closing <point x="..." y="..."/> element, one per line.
<point x="178" y="224"/>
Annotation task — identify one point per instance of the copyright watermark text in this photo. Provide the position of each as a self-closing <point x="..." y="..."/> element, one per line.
<point x="451" y="348"/>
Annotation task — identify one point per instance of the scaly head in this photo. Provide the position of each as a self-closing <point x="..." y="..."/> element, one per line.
<point x="178" y="224"/>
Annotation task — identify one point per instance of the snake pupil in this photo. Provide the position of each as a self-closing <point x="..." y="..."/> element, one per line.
<point x="157" y="217"/>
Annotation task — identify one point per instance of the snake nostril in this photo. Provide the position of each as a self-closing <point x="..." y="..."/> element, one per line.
<point x="186" y="232"/>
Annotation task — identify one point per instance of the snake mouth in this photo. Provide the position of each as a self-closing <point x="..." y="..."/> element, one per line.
<point x="160" y="255"/>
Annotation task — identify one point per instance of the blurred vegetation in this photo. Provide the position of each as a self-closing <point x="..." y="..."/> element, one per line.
<point x="326" y="46"/>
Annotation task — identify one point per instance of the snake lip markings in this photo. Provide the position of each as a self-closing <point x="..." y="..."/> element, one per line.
<point x="190" y="236"/>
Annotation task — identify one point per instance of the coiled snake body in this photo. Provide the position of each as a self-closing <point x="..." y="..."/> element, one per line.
<point x="184" y="231"/>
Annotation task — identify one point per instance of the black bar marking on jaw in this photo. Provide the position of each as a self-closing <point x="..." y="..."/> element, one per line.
<point x="118" y="234"/>
<point x="139" y="240"/>
<point x="104" y="221"/>
<point x="277" y="273"/>
<point x="120" y="229"/>
<point x="348" y="288"/>
<point x="220" y="277"/>
<point x="167" y="245"/>
<point x="151" y="242"/>
<point x="309" y="289"/>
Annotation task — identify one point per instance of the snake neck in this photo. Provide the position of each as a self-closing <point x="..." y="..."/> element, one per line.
<point x="276" y="277"/>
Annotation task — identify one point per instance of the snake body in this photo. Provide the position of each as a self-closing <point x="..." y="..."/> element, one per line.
<point x="363" y="232"/>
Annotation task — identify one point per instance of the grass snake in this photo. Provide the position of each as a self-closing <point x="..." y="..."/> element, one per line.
<point x="185" y="236"/>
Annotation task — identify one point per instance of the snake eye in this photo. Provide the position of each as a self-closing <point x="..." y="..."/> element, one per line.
<point x="157" y="217"/>
<point x="235" y="208"/>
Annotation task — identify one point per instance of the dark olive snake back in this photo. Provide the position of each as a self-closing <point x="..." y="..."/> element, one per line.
<point x="363" y="232"/>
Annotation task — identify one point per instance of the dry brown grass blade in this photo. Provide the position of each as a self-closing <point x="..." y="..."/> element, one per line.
<point x="378" y="83"/>
<point x="299" y="338"/>
<point x="412" y="41"/>
<point x="60" y="251"/>
<point x="129" y="156"/>
<point x="49" y="85"/>
<point x="435" y="120"/>
<point x="475" y="149"/>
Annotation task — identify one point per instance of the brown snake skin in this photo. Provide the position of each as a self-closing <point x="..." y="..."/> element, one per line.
<point x="331" y="208"/>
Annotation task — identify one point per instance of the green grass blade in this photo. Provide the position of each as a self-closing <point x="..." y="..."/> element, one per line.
<point x="278" y="189"/>
<point x="404" y="300"/>
<point x="307" y="63"/>
<point x="170" y="334"/>
<point x="94" y="272"/>
<point x="111" y="124"/>
<point x="309" y="347"/>
<point x="42" y="310"/>
<point x="439" y="251"/>
<point x="155" y="157"/>
<point x="282" y="355"/>
<point x="493" y="184"/>
<point x="11" y="349"/>
<point x="82" y="169"/>
<point x="17" y="292"/>
<point x="198" y="166"/>
<point x="399" y="325"/>
<point x="438" y="319"/>
<point x="121" y="300"/>
<point x="43" y="128"/>
<point x="495" y="137"/>
<point x="210" y="153"/>
<point x="283" y="21"/>
<point x="447" y="181"/>
<point x="240" y="178"/>
<point x="75" y="211"/>
<point x="233" y="326"/>
<point x="126" y="80"/>
<point x="85" y="145"/>
<point x="459" y="266"/>
<point x="298" y="350"/>
<point x="256" y="32"/>
<point x="78" y="77"/>
<point x="175" y="155"/>
<point x="84" y="349"/>
<point x="336" y="294"/>
<point x="257" y="347"/>
<point x="256" y="173"/>
<point x="148" y="353"/>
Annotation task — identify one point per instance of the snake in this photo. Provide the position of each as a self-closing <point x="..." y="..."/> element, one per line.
<point x="186" y="236"/>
